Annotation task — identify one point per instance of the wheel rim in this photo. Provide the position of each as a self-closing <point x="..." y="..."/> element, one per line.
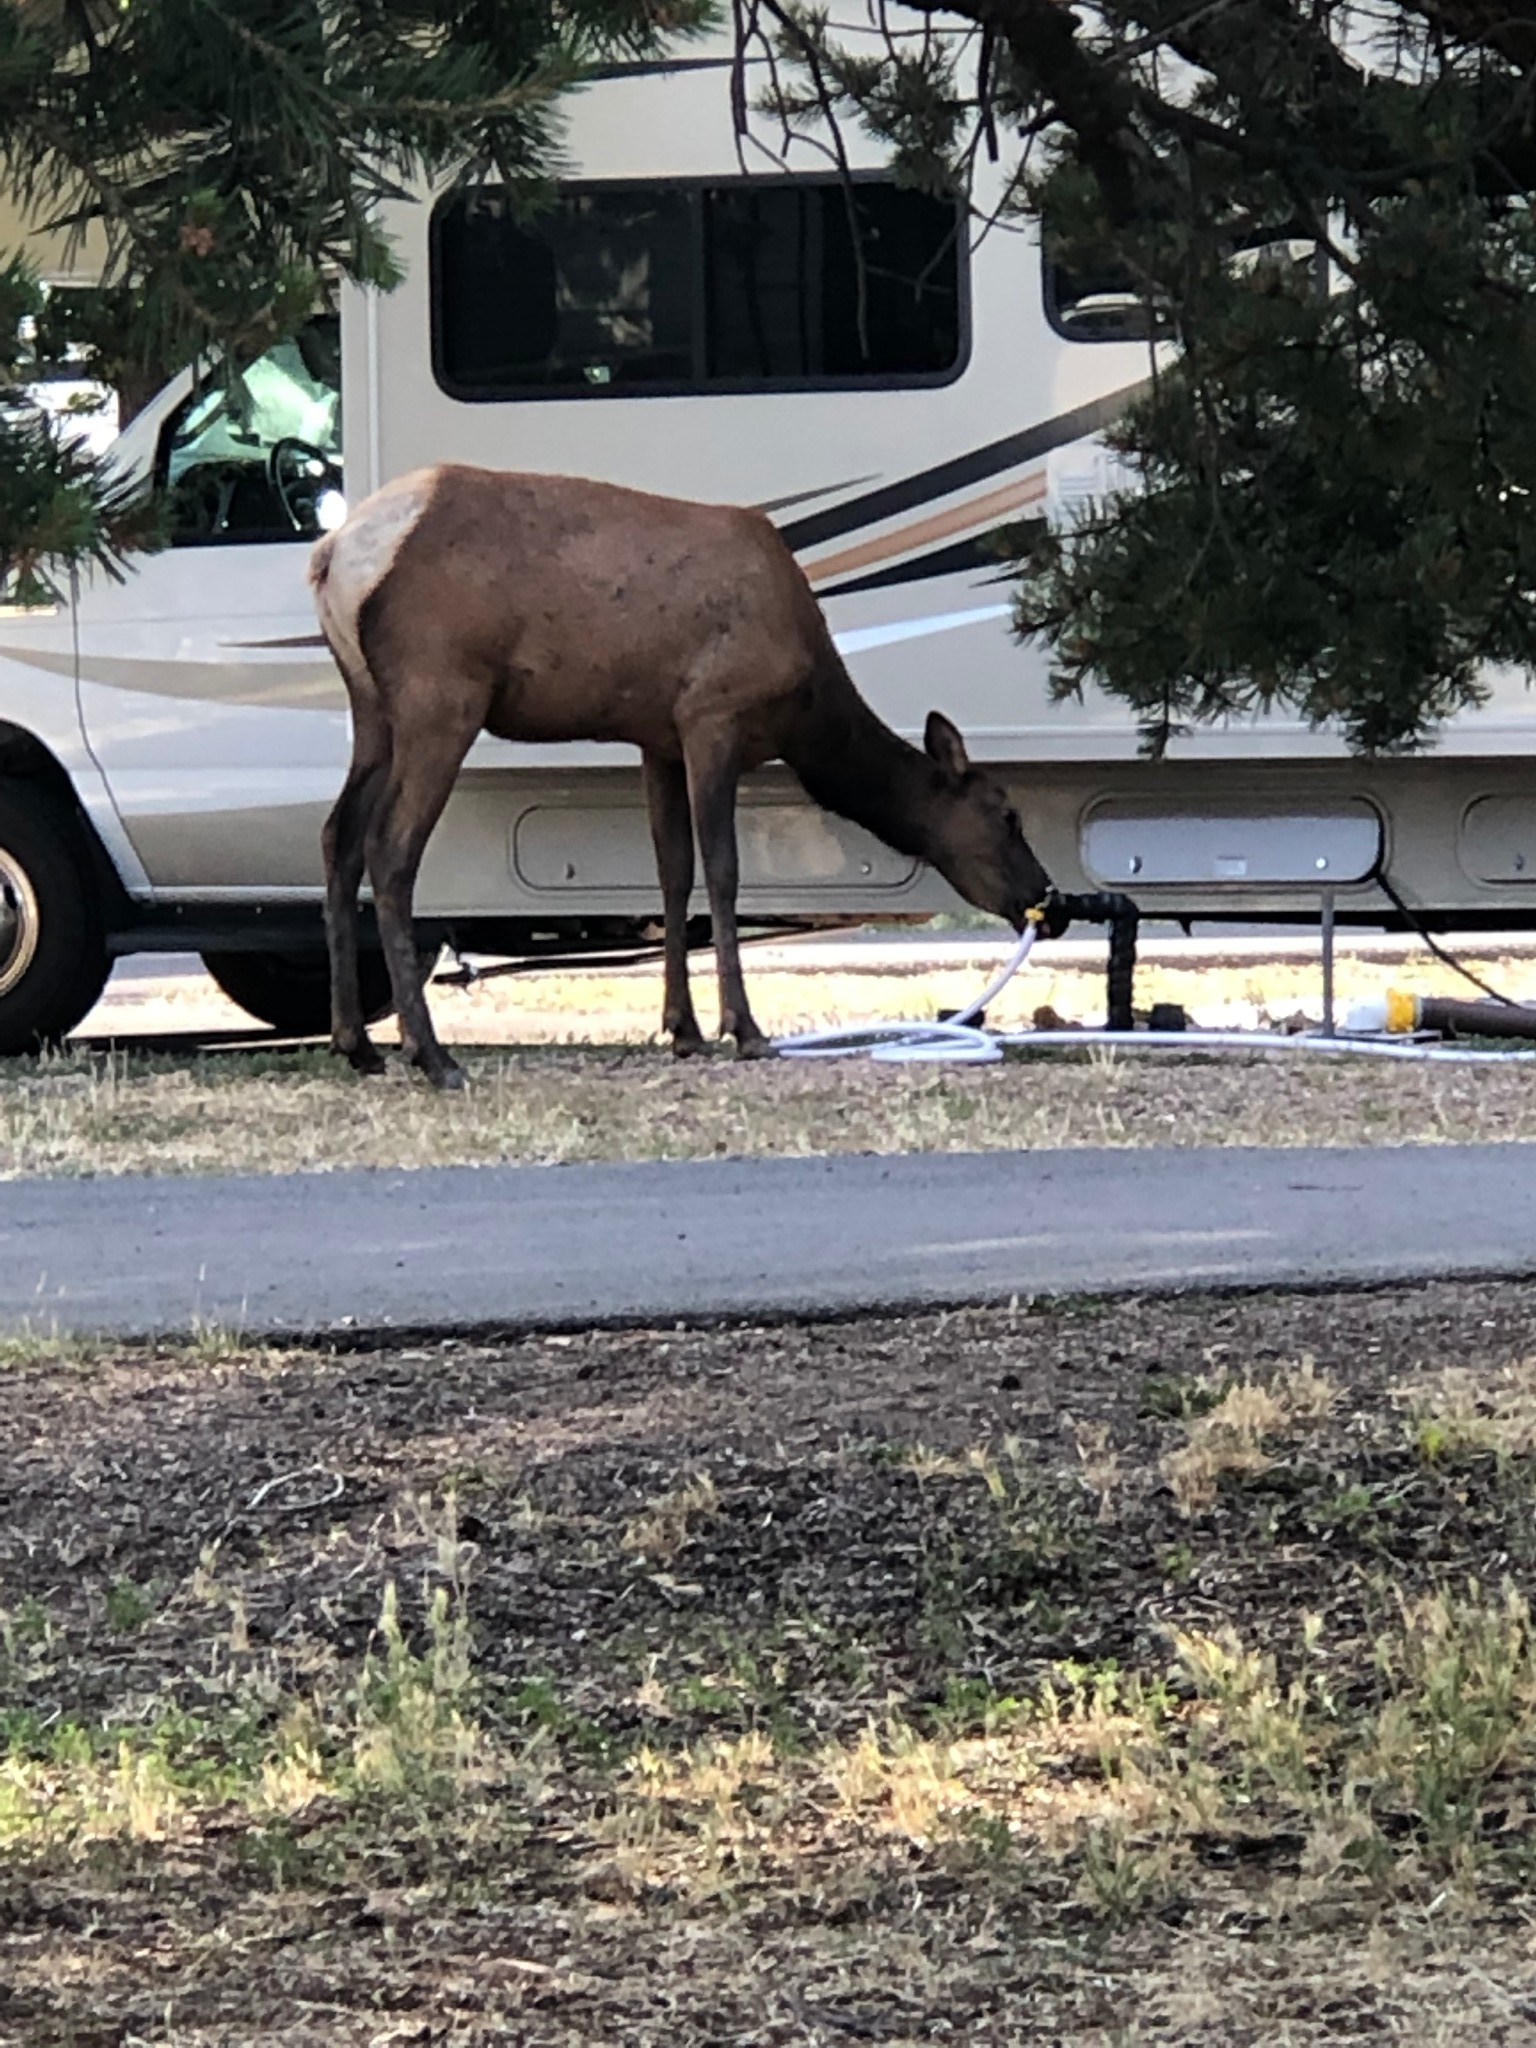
<point x="19" y="922"/>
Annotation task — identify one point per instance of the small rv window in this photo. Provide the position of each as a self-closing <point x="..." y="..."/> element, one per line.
<point x="752" y="284"/>
<point x="1101" y="301"/>
<point x="1097" y="302"/>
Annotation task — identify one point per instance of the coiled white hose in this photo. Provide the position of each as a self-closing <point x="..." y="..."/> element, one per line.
<point x="958" y="1043"/>
<point x="912" y="1039"/>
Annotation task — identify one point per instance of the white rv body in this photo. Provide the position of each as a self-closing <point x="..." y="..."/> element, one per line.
<point x="203" y="726"/>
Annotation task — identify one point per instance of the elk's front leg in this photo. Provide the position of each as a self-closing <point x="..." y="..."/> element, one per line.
<point x="666" y="796"/>
<point x="712" y="780"/>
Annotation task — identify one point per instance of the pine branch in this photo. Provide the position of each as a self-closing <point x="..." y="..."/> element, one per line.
<point x="232" y="152"/>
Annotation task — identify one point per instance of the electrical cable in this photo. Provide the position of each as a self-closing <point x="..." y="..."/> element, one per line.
<point x="1439" y="951"/>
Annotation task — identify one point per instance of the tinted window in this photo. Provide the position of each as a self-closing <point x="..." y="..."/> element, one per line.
<point x="1101" y="301"/>
<point x="659" y="287"/>
<point x="596" y="294"/>
<point x="1097" y="302"/>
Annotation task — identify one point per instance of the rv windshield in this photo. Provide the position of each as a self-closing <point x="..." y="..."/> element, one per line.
<point x="255" y="458"/>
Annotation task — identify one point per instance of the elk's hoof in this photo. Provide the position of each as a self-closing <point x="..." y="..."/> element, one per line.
<point x="758" y="1048"/>
<point x="687" y="1045"/>
<point x="445" y="1074"/>
<point x="362" y="1059"/>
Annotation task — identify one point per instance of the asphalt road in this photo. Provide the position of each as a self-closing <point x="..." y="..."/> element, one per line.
<point x="464" y="1248"/>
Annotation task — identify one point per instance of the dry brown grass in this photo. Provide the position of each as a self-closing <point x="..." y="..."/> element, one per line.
<point x="87" y="1113"/>
<point x="551" y="1084"/>
<point x="1453" y="1410"/>
<point x="1234" y="1434"/>
<point x="667" y="1524"/>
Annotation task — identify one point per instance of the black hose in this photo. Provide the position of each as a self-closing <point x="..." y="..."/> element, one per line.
<point x="1411" y="917"/>
<point x="1109" y="907"/>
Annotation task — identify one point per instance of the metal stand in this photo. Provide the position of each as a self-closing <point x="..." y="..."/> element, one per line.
<point x="1329" y="1030"/>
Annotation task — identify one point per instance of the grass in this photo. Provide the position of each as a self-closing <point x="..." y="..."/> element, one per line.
<point x="561" y="1072"/>
<point x="894" y="1681"/>
<point x="1460" y="1412"/>
<point x="33" y="1345"/>
<point x="1231" y="1432"/>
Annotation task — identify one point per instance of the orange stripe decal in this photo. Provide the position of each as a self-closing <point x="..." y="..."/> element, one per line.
<point x="995" y="505"/>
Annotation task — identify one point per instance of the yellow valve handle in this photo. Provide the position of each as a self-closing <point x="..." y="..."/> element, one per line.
<point x="1402" y="1010"/>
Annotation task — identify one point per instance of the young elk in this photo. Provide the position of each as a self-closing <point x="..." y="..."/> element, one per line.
<point x="458" y="600"/>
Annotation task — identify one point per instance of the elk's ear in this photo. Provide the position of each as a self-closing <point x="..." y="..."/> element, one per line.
<point x="945" y="746"/>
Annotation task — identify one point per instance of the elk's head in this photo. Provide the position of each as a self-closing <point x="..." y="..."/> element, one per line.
<point x="975" y="838"/>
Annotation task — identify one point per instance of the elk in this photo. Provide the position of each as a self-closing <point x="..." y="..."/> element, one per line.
<point x="545" y="608"/>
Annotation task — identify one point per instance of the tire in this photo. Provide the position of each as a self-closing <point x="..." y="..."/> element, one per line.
<point x="53" y="949"/>
<point x="292" y="991"/>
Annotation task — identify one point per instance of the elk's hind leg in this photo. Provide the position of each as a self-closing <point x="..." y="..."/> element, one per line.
<point x="342" y="844"/>
<point x="666" y="796"/>
<point x="713" y="774"/>
<point x="428" y="751"/>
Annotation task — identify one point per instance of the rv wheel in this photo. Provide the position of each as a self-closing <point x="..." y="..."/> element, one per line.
<point x="53" y="952"/>
<point x="292" y="991"/>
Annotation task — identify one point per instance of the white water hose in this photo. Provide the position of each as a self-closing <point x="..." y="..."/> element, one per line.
<point x="953" y="1040"/>
<point x="959" y="1043"/>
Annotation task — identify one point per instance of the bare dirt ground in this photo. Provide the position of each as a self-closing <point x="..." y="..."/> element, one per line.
<point x="561" y="1070"/>
<point x="1148" y="1673"/>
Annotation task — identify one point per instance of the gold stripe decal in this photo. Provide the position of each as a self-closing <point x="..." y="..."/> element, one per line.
<point x="983" y="511"/>
<point x="263" y="686"/>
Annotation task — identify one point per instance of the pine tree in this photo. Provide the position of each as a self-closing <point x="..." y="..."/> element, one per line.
<point x="1326" y="215"/>
<point x="231" y="152"/>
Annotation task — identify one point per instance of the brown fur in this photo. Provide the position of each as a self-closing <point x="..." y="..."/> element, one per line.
<point x="554" y="608"/>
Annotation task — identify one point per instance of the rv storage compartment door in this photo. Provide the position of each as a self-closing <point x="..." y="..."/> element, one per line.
<point x="1498" y="839"/>
<point x="785" y="846"/>
<point x="1126" y="843"/>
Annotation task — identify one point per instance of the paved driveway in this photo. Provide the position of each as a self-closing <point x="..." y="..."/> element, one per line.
<point x="464" y="1247"/>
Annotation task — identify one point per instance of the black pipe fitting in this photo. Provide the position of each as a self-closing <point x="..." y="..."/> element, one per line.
<point x="1105" y="906"/>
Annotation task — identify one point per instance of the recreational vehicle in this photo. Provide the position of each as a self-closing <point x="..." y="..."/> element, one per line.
<point x="711" y="321"/>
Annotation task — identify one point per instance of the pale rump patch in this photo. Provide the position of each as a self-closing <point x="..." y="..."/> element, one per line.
<point x="349" y="565"/>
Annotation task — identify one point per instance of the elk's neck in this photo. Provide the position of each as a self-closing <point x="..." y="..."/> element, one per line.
<point x="852" y="763"/>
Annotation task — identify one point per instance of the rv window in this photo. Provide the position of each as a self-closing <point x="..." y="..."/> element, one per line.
<point x="1100" y="301"/>
<point x="250" y="459"/>
<point x="756" y="283"/>
<point x="1097" y="302"/>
